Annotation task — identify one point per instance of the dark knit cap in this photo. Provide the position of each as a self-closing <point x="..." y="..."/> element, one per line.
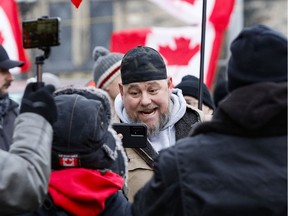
<point x="190" y="87"/>
<point x="82" y="137"/>
<point x="258" y="54"/>
<point x="142" y="64"/>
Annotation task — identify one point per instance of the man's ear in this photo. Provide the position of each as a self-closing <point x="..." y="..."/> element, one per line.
<point x="120" y="88"/>
<point x="170" y="82"/>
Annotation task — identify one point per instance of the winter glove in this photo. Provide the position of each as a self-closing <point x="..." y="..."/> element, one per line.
<point x="39" y="99"/>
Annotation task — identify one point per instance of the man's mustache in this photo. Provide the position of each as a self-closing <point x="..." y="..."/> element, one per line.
<point x="7" y="84"/>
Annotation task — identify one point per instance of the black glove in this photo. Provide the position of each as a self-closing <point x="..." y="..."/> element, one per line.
<point x="39" y="99"/>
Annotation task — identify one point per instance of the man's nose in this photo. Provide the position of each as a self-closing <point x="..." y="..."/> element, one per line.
<point x="9" y="76"/>
<point x="145" y="99"/>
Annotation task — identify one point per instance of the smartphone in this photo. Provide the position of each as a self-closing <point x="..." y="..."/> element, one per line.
<point x="134" y="135"/>
<point x="43" y="32"/>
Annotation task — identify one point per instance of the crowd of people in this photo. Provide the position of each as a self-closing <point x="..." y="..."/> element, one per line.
<point x="61" y="156"/>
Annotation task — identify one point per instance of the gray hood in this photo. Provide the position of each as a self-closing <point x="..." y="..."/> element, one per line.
<point x="166" y="136"/>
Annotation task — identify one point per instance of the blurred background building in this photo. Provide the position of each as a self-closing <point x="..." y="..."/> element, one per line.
<point x="94" y="21"/>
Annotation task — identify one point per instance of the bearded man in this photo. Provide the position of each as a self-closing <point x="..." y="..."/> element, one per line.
<point x="147" y="96"/>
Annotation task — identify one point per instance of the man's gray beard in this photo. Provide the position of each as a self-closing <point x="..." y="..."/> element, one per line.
<point x="163" y="119"/>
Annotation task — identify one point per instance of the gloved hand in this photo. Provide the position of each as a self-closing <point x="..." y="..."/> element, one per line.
<point x="39" y="99"/>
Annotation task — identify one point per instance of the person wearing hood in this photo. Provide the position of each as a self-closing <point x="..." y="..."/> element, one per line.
<point x="147" y="96"/>
<point x="89" y="165"/>
<point x="236" y="164"/>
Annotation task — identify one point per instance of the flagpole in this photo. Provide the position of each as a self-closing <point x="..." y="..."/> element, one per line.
<point x="202" y="54"/>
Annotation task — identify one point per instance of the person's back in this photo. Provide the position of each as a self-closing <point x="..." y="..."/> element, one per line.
<point x="237" y="163"/>
<point x="88" y="161"/>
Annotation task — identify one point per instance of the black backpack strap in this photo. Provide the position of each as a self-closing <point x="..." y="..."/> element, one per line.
<point x="49" y="208"/>
<point x="148" y="154"/>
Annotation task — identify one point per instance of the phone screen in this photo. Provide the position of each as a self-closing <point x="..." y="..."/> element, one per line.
<point x="43" y="32"/>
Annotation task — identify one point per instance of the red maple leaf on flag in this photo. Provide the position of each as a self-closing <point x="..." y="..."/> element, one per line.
<point x="189" y="1"/>
<point x="76" y="2"/>
<point x="182" y="54"/>
<point x="68" y="161"/>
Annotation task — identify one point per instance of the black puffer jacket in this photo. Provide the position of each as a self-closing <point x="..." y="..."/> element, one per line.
<point x="234" y="165"/>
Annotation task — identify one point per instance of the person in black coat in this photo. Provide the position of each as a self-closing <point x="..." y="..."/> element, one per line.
<point x="236" y="164"/>
<point x="88" y="161"/>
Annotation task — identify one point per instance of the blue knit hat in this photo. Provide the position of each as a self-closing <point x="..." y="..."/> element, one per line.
<point x="258" y="54"/>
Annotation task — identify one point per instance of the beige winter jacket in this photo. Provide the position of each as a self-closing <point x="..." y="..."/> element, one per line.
<point x="139" y="172"/>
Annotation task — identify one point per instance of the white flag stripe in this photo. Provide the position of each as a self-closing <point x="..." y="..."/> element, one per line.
<point x="9" y="40"/>
<point x="166" y="37"/>
<point x="187" y="12"/>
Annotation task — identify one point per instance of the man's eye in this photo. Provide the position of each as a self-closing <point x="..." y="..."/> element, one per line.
<point x="153" y="91"/>
<point x="134" y="93"/>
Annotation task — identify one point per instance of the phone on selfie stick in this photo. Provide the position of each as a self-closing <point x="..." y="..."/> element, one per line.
<point x="41" y="33"/>
<point x="134" y="135"/>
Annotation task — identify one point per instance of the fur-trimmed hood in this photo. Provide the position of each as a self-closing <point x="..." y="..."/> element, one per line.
<point x="83" y="136"/>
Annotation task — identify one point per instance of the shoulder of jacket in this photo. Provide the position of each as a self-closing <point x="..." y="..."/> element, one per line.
<point x="192" y="111"/>
<point x="14" y="106"/>
<point x="202" y="116"/>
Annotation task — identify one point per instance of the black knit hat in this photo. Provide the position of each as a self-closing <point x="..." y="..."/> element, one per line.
<point x="142" y="64"/>
<point x="83" y="136"/>
<point x="258" y="54"/>
<point x="190" y="87"/>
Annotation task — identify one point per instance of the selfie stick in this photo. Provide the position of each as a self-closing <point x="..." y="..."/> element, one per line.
<point x="39" y="60"/>
<point x="202" y="52"/>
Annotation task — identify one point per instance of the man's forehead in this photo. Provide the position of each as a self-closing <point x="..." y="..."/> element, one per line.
<point x="147" y="83"/>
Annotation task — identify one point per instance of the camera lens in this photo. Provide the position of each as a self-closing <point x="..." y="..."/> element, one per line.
<point x="137" y="131"/>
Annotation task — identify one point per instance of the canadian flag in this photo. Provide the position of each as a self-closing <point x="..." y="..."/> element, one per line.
<point x="190" y="11"/>
<point x="68" y="160"/>
<point x="11" y="34"/>
<point x="180" y="46"/>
